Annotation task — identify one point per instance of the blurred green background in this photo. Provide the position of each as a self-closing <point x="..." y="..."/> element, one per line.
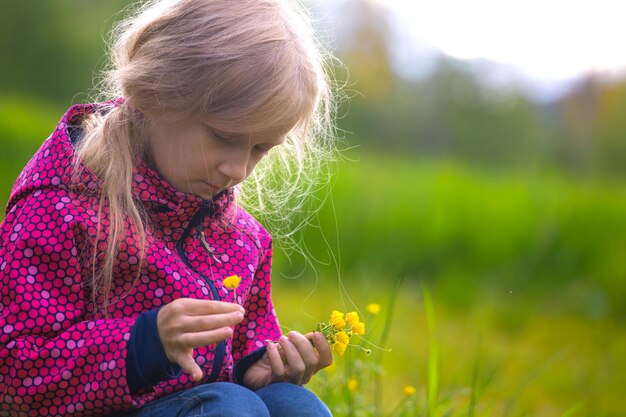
<point x="510" y="209"/>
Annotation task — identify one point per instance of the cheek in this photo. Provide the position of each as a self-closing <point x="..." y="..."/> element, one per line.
<point x="255" y="160"/>
<point x="252" y="164"/>
<point x="172" y="164"/>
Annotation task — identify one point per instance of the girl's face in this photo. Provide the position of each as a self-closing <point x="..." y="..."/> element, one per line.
<point x="195" y="158"/>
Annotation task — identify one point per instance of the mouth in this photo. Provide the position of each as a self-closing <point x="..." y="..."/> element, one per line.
<point x="213" y="189"/>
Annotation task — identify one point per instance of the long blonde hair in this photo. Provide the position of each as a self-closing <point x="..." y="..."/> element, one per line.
<point x="238" y="65"/>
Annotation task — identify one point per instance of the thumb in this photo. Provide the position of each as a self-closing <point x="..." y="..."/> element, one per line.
<point x="189" y="365"/>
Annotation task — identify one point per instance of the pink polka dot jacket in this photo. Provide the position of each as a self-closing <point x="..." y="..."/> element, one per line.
<point x="59" y="355"/>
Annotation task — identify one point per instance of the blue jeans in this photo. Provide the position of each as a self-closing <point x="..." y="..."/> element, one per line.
<point x="224" y="399"/>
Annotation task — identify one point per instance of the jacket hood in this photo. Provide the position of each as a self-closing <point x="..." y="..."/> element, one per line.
<point x="53" y="166"/>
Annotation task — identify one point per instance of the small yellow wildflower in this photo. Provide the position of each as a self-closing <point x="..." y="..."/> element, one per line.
<point x="352" y="317"/>
<point x="358" y="328"/>
<point x="340" y="328"/>
<point x="336" y="319"/>
<point x="373" y="308"/>
<point x="409" y="390"/>
<point x="340" y="348"/>
<point x="232" y="282"/>
<point x="353" y="384"/>
<point x="342" y="337"/>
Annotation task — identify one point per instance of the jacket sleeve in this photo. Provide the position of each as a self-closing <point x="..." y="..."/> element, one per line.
<point x="260" y="323"/>
<point x="53" y="361"/>
<point x="147" y="363"/>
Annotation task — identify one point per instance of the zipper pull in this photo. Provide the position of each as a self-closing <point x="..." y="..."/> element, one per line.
<point x="208" y="248"/>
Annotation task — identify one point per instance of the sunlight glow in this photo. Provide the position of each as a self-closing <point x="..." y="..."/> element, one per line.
<point x="548" y="39"/>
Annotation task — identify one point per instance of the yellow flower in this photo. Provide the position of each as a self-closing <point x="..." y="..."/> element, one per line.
<point x="232" y="282"/>
<point x="358" y="328"/>
<point x="338" y="333"/>
<point x="336" y="319"/>
<point x="353" y="384"/>
<point x="340" y="348"/>
<point x="373" y="308"/>
<point x="352" y="317"/>
<point x="409" y="390"/>
<point x="342" y="337"/>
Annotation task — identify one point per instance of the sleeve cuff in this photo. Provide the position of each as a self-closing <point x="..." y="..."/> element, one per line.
<point x="244" y="363"/>
<point x="147" y="364"/>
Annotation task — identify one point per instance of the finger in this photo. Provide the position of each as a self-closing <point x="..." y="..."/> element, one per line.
<point x="325" y="356"/>
<point x="189" y="365"/>
<point x="307" y="353"/>
<point x="209" y="337"/>
<point x="195" y="307"/>
<point x="296" y="367"/>
<point x="210" y="322"/>
<point x="276" y="361"/>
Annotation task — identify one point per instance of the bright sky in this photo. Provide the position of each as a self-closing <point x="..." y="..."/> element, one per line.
<point x="546" y="39"/>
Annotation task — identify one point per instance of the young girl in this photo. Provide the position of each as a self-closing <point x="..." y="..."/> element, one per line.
<point x="132" y="284"/>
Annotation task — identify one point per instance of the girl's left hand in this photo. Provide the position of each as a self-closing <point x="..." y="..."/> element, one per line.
<point x="296" y="361"/>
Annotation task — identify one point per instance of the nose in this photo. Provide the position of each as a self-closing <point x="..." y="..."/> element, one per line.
<point x="235" y="168"/>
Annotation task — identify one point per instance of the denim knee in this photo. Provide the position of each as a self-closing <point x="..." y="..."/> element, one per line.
<point x="286" y="400"/>
<point x="226" y="399"/>
<point x="219" y="399"/>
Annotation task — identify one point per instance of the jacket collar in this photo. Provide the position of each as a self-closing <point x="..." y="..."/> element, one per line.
<point x="151" y="188"/>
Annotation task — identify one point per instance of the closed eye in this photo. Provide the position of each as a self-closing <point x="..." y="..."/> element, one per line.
<point x="260" y="149"/>
<point x="220" y="136"/>
<point x="223" y="138"/>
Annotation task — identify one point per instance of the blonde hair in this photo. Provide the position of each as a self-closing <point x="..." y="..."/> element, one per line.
<point x="237" y="65"/>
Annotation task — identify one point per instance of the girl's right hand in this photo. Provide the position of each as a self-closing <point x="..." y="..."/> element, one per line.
<point x="188" y="323"/>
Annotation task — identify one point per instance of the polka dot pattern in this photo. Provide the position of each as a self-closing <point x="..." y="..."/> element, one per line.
<point x="58" y="355"/>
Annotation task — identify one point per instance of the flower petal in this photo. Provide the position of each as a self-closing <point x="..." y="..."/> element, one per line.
<point x="232" y="282"/>
<point x="352" y="317"/>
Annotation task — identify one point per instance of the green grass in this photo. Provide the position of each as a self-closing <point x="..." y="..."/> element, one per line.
<point x="24" y="125"/>
<point x="540" y="233"/>
<point x="486" y="360"/>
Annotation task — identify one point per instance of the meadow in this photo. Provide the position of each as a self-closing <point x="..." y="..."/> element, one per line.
<point x="502" y="293"/>
<point x="495" y="357"/>
<point x="526" y="276"/>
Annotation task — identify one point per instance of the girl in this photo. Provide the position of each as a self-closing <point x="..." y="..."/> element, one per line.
<point x="132" y="284"/>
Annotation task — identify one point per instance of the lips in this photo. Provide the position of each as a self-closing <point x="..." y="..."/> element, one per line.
<point x="214" y="189"/>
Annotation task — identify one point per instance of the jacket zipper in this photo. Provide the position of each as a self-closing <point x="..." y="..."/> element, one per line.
<point x="207" y="209"/>
<point x="208" y="247"/>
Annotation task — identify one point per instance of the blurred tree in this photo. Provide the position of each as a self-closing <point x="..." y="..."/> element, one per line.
<point x="364" y="47"/>
<point x="52" y="49"/>
<point x="612" y="127"/>
<point x="592" y="119"/>
<point x="578" y="112"/>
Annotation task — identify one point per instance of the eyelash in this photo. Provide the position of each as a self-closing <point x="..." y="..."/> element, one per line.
<point x="221" y="138"/>
<point x="224" y="139"/>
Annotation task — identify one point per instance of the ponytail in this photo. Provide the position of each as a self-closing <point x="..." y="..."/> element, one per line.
<point x="111" y="147"/>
